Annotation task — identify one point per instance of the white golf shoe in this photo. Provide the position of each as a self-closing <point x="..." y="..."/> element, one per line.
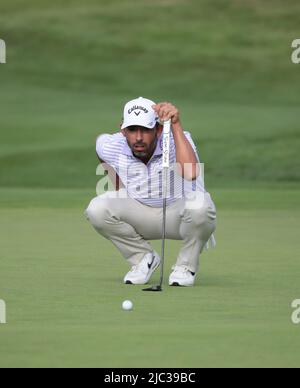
<point x="141" y="273"/>
<point x="182" y="276"/>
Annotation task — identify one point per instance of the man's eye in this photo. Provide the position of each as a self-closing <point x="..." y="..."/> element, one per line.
<point x="134" y="130"/>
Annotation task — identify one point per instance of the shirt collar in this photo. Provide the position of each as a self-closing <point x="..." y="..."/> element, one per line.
<point x="158" y="151"/>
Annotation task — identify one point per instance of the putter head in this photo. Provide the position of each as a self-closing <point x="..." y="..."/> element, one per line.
<point x="153" y="289"/>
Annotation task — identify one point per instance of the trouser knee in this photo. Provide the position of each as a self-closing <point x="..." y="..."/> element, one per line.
<point x="98" y="212"/>
<point x="201" y="214"/>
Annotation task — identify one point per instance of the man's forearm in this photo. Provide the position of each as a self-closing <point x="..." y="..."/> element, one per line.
<point x="185" y="154"/>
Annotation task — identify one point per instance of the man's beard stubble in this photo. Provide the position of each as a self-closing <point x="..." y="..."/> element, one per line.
<point x="147" y="153"/>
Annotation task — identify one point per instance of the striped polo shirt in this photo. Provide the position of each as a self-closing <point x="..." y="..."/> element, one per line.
<point x="144" y="183"/>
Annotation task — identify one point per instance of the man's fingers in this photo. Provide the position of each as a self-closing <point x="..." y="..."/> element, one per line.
<point x="170" y="116"/>
<point x="166" y="111"/>
<point x="163" y="113"/>
<point x="157" y="107"/>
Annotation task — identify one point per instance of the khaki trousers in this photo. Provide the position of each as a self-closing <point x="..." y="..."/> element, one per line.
<point x="129" y="225"/>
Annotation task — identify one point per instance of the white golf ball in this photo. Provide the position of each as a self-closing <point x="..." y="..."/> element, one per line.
<point x="127" y="305"/>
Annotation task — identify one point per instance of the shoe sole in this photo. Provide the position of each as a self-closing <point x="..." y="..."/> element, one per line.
<point x="175" y="284"/>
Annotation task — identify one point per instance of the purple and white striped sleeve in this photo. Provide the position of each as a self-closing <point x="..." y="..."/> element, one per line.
<point x="100" y="147"/>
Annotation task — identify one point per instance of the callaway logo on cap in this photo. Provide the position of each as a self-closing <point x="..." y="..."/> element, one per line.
<point x="140" y="112"/>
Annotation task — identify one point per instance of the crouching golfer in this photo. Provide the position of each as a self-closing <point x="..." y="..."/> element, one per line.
<point x="133" y="214"/>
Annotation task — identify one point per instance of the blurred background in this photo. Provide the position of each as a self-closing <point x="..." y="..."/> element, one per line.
<point x="71" y="66"/>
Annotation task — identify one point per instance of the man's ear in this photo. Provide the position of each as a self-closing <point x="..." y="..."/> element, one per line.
<point x="122" y="130"/>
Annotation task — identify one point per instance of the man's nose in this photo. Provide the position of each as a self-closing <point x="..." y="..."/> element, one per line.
<point x="139" y="135"/>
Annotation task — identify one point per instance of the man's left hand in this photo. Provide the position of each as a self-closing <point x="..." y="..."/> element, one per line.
<point x="167" y="111"/>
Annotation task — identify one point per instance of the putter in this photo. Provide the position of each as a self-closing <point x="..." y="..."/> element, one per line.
<point x="166" y="166"/>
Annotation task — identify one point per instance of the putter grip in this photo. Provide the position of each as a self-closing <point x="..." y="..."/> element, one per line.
<point x="166" y="144"/>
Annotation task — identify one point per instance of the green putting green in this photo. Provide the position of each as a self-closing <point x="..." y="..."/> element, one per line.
<point x="70" y="68"/>
<point x="62" y="284"/>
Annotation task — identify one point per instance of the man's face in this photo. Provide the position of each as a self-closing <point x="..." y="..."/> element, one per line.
<point x="142" y="141"/>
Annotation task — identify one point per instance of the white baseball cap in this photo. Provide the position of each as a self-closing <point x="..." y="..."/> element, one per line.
<point x="139" y="112"/>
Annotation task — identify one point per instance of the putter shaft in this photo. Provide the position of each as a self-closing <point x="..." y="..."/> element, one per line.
<point x="166" y="166"/>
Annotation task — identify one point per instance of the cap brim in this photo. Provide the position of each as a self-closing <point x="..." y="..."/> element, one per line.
<point x="135" y="123"/>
